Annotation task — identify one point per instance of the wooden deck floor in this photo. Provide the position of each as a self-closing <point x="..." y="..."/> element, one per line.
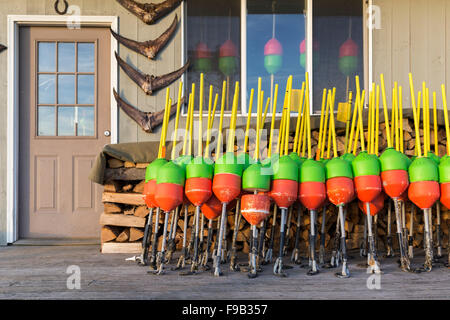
<point x="39" y="272"/>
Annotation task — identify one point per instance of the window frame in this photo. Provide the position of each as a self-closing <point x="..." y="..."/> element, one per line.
<point x="367" y="53"/>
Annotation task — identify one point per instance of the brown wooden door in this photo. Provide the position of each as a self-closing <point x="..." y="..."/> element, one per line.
<point x="64" y="114"/>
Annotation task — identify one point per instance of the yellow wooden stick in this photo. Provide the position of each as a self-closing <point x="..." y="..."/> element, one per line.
<point x="208" y="135"/>
<point x="209" y="105"/>
<point x="272" y="124"/>
<point x="191" y="125"/>
<point x="232" y="131"/>
<point x="330" y="129"/>
<point x="435" y="125"/>
<point x="258" y="132"/>
<point x="386" y="117"/>
<point x="372" y="119"/>
<point x="280" y="134"/>
<point x="165" y="121"/>
<point x="258" y="120"/>
<point x="347" y="122"/>
<point x="301" y="135"/>
<point x="395" y="118"/>
<point x="188" y="122"/>
<point x="249" y="116"/>
<point x="177" y="121"/>
<point x="369" y="124"/>
<point x="219" y="147"/>
<point x="283" y="127"/>
<point x="356" y="137"/>
<point x="325" y="127"/>
<point x="416" y="124"/>
<point x="200" y="117"/>
<point x="447" y="127"/>
<point x="352" y="127"/>
<point x="305" y="128"/>
<point x="265" y="112"/>
<point x="361" y="130"/>
<point x="322" y="109"/>
<point x="424" y="124"/>
<point x="332" y="125"/>
<point x="393" y="132"/>
<point x="299" y="114"/>
<point x="308" y="119"/>
<point x="400" y="117"/>
<point x="428" y="122"/>
<point x="289" y="93"/>
<point x="377" y="120"/>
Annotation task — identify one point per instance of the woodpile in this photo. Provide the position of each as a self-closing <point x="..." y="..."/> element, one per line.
<point x="125" y="212"/>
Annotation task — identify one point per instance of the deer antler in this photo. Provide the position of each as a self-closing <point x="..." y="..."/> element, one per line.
<point x="149" y="12"/>
<point x="148" y="48"/>
<point x="148" y="121"/>
<point x="2" y="47"/>
<point x="150" y="83"/>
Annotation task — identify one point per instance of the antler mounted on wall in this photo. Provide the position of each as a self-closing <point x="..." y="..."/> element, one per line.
<point x="2" y="47"/>
<point x="149" y="13"/>
<point x="149" y="48"/>
<point x="150" y="83"/>
<point x="148" y="121"/>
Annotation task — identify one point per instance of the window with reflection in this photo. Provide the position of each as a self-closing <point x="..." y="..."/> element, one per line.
<point x="275" y="39"/>
<point x="338" y="47"/>
<point x="66" y="95"/>
<point x="213" y="45"/>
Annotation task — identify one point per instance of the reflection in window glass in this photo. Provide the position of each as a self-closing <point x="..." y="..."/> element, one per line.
<point x="46" y="56"/>
<point x="274" y="35"/>
<point x="85" y="121"/>
<point x="338" y="48"/>
<point x="66" y="89"/>
<point x="46" y="121"/>
<point x="66" y="57"/>
<point x="46" y="88"/>
<point x="66" y="121"/>
<point x="213" y="44"/>
<point x="86" y="89"/>
<point x="86" y="57"/>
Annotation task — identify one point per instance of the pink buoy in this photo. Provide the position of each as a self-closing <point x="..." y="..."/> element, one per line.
<point x="202" y="51"/>
<point x="348" y="48"/>
<point x="228" y="49"/>
<point x="273" y="46"/>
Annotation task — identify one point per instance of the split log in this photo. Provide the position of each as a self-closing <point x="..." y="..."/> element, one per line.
<point x="126" y="174"/>
<point x="111" y="207"/>
<point x="139" y="188"/>
<point x="127" y="187"/>
<point x="114" y="247"/>
<point x="136" y="234"/>
<point x="112" y="186"/>
<point x="129" y="211"/>
<point x="109" y="233"/>
<point x="121" y="220"/>
<point x="141" y="211"/>
<point x="129" y="164"/>
<point x="142" y="165"/>
<point x="125" y="198"/>
<point x="123" y="236"/>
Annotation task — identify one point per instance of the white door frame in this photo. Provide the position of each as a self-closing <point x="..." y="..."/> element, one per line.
<point x="12" y="167"/>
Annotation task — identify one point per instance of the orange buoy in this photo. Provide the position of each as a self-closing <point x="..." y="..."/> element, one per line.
<point x="375" y="206"/>
<point x="340" y="190"/>
<point x="312" y="194"/>
<point x="198" y="190"/>
<point x="255" y="207"/>
<point x="395" y="182"/>
<point x="368" y="187"/>
<point x="284" y="192"/>
<point x="226" y="186"/>
<point x="445" y="194"/>
<point x="168" y="196"/>
<point x="212" y="208"/>
<point x="149" y="193"/>
<point x="424" y="193"/>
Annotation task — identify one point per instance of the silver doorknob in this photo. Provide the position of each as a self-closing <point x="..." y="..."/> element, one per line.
<point x="107" y="133"/>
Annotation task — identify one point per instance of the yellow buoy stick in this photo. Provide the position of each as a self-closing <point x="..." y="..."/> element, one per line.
<point x="325" y="128"/>
<point x="258" y="120"/>
<point x="219" y="147"/>
<point x="373" y="124"/>
<point x="280" y="133"/>
<point x="208" y="136"/>
<point x="283" y="128"/>
<point x="258" y="132"/>
<point x="272" y="124"/>
<point x="377" y="120"/>
<point x="322" y="109"/>
<point x="299" y="114"/>
<point x="400" y="117"/>
<point x="369" y="123"/>
<point x="305" y="128"/>
<point x="395" y="118"/>
<point x="232" y="131"/>
<point x="265" y="113"/>
<point x="361" y="130"/>
<point x="352" y="127"/>
<point x="301" y="135"/>
<point x="191" y="126"/>
<point x="289" y="95"/>
<point x="347" y="121"/>
<point x="330" y="128"/>
<point x="164" y="128"/>
<point x="424" y="125"/>
<point x="386" y="116"/>
<point x="416" y="124"/>
<point x="308" y="119"/>
<point x="200" y="117"/>
<point x="187" y="128"/>
<point x="177" y="120"/>
<point x="435" y="125"/>
<point x="393" y="133"/>
<point x="332" y="125"/>
<point x="249" y="116"/>
<point x="209" y="105"/>
<point x="428" y="121"/>
<point x="447" y="127"/>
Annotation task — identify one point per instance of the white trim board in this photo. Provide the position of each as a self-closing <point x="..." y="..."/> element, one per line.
<point x="12" y="133"/>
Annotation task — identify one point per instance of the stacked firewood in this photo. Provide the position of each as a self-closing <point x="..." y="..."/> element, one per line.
<point x="124" y="216"/>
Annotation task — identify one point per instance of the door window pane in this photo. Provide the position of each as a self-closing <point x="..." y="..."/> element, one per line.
<point x="66" y="89"/>
<point x="86" y="120"/>
<point x="338" y="47"/>
<point x="213" y="42"/>
<point x="274" y="37"/>
<point x="86" y="57"/>
<point x="46" y="121"/>
<point x="46" y="89"/>
<point x="46" y="57"/>
<point x="66" y="121"/>
<point x="66" y="57"/>
<point x="86" y="89"/>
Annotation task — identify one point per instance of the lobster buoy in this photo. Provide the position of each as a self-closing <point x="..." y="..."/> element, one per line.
<point x="444" y="179"/>
<point x="366" y="170"/>
<point x="340" y="189"/>
<point x="212" y="208"/>
<point x="151" y="173"/>
<point x="312" y="192"/>
<point x="348" y="57"/>
<point x="255" y="207"/>
<point x="254" y="179"/>
<point x="203" y="61"/>
<point x="394" y="173"/>
<point x="273" y="56"/>
<point x="284" y="182"/>
<point x="169" y="186"/>
<point x="227" y="58"/>
<point x="227" y="178"/>
<point x="375" y="206"/>
<point x="199" y="173"/>
<point x="424" y="186"/>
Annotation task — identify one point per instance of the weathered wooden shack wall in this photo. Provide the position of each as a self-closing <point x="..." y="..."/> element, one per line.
<point x="414" y="37"/>
<point x="168" y="60"/>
